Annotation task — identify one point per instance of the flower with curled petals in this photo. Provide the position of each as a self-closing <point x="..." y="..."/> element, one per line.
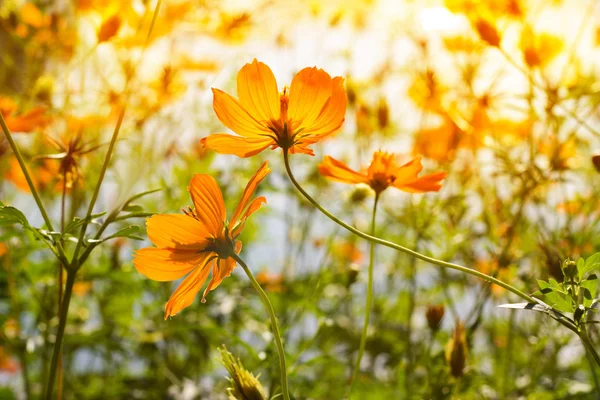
<point x="198" y="242"/>
<point x="312" y="108"/>
<point x="383" y="173"/>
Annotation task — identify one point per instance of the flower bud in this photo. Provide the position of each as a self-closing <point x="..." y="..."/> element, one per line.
<point x="434" y="314"/>
<point x="244" y="385"/>
<point x="456" y="351"/>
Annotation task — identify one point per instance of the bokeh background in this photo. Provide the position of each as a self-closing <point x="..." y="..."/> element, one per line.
<point x="503" y="95"/>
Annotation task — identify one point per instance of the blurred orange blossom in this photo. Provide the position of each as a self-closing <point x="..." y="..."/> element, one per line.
<point x="197" y="242"/>
<point x="312" y="108"/>
<point x="383" y="173"/>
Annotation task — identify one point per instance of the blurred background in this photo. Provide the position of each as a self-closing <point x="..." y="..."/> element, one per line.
<point x="503" y="95"/>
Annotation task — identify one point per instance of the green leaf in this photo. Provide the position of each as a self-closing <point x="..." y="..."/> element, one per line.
<point x="554" y="298"/>
<point x="137" y="196"/>
<point x="128" y="232"/>
<point x="592" y="263"/>
<point x="588" y="290"/>
<point x="134" y="215"/>
<point x="77" y="222"/>
<point x="11" y="215"/>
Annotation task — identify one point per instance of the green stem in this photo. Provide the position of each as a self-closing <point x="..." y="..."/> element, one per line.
<point x="19" y="157"/>
<point x="61" y="254"/>
<point x="113" y="140"/>
<point x="274" y="325"/>
<point x="585" y="338"/>
<point x="395" y="246"/>
<point x="62" y="322"/>
<point x="369" y="303"/>
<point x="76" y="263"/>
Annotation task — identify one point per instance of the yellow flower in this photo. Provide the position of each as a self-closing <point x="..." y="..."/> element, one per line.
<point x="312" y="108"/>
<point x="197" y="242"/>
<point x="383" y="173"/>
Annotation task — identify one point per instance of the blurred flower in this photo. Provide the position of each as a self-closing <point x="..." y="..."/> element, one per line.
<point x="539" y="49"/>
<point x="460" y="44"/>
<point x="3" y="249"/>
<point x="7" y="364"/>
<point x="559" y="153"/>
<point x="82" y="288"/>
<point x="456" y="350"/>
<point x="439" y="143"/>
<point x="487" y="32"/>
<point x="434" y="314"/>
<point x="383" y="173"/>
<point x="71" y="148"/>
<point x="596" y="162"/>
<point x="30" y="121"/>
<point x="108" y="29"/>
<point x="496" y="269"/>
<point x="197" y="242"/>
<point x="245" y="386"/>
<point x="383" y="113"/>
<point x="42" y="174"/>
<point x="233" y="27"/>
<point x="427" y="92"/>
<point x="312" y="108"/>
<point x="271" y="282"/>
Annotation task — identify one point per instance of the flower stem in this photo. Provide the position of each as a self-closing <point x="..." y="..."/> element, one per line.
<point x="274" y="325"/>
<point x="587" y="343"/>
<point x="403" y="249"/>
<point x="369" y="303"/>
<point x="62" y="322"/>
<point x="61" y="253"/>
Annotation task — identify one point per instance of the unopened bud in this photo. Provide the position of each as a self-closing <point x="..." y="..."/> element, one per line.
<point x="244" y="385"/>
<point x="434" y="314"/>
<point x="456" y="351"/>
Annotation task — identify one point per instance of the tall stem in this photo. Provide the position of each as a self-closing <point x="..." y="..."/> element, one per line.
<point x="274" y="325"/>
<point x="62" y="322"/>
<point x="369" y="302"/>
<point x="61" y="254"/>
<point x="395" y="246"/>
<point x="587" y="343"/>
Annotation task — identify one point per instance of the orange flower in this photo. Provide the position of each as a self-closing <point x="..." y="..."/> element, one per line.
<point x="383" y="173"/>
<point x="26" y="122"/>
<point x="197" y="242"/>
<point x="312" y="108"/>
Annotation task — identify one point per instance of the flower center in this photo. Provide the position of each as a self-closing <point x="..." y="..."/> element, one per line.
<point x="281" y="128"/>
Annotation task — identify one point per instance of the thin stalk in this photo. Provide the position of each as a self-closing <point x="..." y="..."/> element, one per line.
<point x="395" y="246"/>
<point x="75" y="262"/>
<point x="61" y="253"/>
<point x="274" y="325"/>
<point x="62" y="322"/>
<point x="587" y="343"/>
<point x="113" y="140"/>
<point x="369" y="303"/>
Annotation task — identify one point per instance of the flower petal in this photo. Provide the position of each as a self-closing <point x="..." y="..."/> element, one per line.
<point x="254" y="206"/>
<point x="186" y="292"/>
<point x="309" y="91"/>
<point x="262" y="172"/>
<point x="221" y="270"/>
<point x="165" y="264"/>
<point x="408" y="172"/>
<point x="257" y="91"/>
<point x="236" y="145"/>
<point x="177" y="231"/>
<point x="340" y="172"/>
<point x="407" y="178"/>
<point x="209" y="206"/>
<point x="231" y="113"/>
<point x="427" y="183"/>
<point x="331" y="117"/>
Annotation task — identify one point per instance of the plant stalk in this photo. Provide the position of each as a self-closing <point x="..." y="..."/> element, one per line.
<point x="274" y="325"/>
